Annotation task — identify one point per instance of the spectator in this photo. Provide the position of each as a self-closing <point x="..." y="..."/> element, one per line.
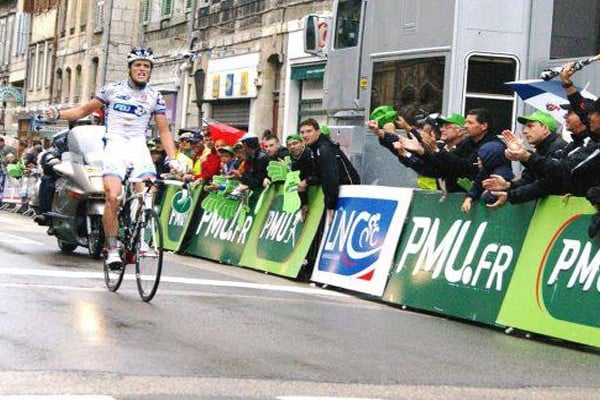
<point x="460" y="163"/>
<point x="302" y="161"/>
<point x="540" y="132"/>
<point x="228" y="162"/>
<point x="326" y="171"/>
<point x="256" y="163"/>
<point x="275" y="152"/>
<point x="452" y="133"/>
<point x="490" y="160"/>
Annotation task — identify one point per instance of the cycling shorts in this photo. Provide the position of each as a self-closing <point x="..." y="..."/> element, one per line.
<point x="121" y="152"/>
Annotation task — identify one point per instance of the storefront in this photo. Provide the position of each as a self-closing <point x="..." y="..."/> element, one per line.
<point x="309" y="78"/>
<point x="231" y="87"/>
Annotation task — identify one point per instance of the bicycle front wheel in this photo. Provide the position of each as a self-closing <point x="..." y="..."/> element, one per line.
<point x="149" y="255"/>
<point x="113" y="276"/>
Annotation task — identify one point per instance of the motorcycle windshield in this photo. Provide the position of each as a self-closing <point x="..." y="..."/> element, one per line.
<point x="87" y="142"/>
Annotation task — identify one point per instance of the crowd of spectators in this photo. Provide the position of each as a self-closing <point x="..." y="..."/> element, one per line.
<point x="468" y="156"/>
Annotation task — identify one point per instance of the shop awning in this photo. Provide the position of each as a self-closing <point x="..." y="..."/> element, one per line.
<point x="308" y="72"/>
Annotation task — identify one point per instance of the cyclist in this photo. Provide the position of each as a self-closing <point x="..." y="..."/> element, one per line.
<point x="128" y="105"/>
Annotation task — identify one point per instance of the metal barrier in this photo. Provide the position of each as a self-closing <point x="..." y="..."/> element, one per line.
<point x="16" y="194"/>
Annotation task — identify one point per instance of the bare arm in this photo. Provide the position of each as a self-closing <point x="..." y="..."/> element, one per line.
<point x="82" y="111"/>
<point x="166" y="138"/>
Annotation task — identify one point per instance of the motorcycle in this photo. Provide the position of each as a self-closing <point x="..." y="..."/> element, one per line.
<point x="75" y="218"/>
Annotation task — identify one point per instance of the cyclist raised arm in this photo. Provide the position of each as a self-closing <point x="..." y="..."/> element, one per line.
<point x="129" y="106"/>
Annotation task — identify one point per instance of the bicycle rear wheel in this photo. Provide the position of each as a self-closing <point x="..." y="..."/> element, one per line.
<point x="113" y="276"/>
<point x="149" y="255"/>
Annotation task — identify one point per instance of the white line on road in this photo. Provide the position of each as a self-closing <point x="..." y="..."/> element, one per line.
<point x="188" y="281"/>
<point x="56" y="397"/>
<point x="319" y="398"/>
<point x="7" y="237"/>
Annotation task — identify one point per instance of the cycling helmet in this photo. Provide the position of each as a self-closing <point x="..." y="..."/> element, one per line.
<point x="140" y="53"/>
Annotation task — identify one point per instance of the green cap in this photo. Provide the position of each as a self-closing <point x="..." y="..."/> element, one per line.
<point x="227" y="149"/>
<point x="384" y="115"/>
<point x="542" y="117"/>
<point x="456" y="119"/>
<point x="295" y="137"/>
<point x="324" y="130"/>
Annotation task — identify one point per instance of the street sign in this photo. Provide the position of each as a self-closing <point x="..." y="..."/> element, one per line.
<point x="46" y="129"/>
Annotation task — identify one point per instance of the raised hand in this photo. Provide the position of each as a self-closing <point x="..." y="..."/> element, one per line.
<point x="410" y="143"/>
<point x="400" y="149"/>
<point x="515" y="148"/>
<point x="374" y="127"/>
<point x="429" y="140"/>
<point x="501" y="199"/>
<point x="495" y="182"/>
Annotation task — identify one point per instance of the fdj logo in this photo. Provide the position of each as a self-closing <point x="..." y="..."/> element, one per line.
<point x="568" y="283"/>
<point x="356" y="236"/>
<point x="129" y="109"/>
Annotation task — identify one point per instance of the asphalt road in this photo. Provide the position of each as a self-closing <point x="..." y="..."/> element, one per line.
<point x="222" y="332"/>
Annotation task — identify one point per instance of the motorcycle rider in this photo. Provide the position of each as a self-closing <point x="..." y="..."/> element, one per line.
<point x="128" y="105"/>
<point x="52" y="157"/>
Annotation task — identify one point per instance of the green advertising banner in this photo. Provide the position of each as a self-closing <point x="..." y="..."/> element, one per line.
<point x="176" y="210"/>
<point x="555" y="289"/>
<point x="454" y="263"/>
<point x="279" y="241"/>
<point x="223" y="239"/>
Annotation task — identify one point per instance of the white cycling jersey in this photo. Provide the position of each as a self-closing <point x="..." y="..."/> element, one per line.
<point x="128" y="110"/>
<point x="127" y="113"/>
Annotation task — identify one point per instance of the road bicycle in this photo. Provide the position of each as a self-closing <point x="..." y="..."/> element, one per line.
<point x="141" y="237"/>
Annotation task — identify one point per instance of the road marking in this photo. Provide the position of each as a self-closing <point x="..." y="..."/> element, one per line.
<point x="321" y="398"/>
<point x="172" y="279"/>
<point x="55" y="397"/>
<point x="8" y="238"/>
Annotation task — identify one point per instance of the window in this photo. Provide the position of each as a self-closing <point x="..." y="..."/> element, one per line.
<point x="62" y="18"/>
<point x="347" y="23"/>
<point x="48" y="71"/>
<point x="39" y="79"/>
<point x="99" y="17"/>
<point x="21" y="34"/>
<point x="166" y="8"/>
<point x="67" y="91"/>
<point x="72" y="17"/>
<point x="188" y="4"/>
<point x="83" y="14"/>
<point x="3" y="35"/>
<point x="146" y="11"/>
<point x="410" y="86"/>
<point x="77" y="88"/>
<point x="486" y="89"/>
<point x="58" y="86"/>
<point x="31" y="68"/>
<point x="93" y="78"/>
<point x="575" y="29"/>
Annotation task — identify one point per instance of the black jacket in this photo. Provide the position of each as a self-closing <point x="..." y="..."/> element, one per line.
<point x="574" y="173"/>
<point x="461" y="162"/>
<point x="256" y="171"/>
<point x="326" y="171"/>
<point x="305" y="164"/>
<point x="534" y="185"/>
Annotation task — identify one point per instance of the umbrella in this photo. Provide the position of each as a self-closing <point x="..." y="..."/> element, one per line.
<point x="545" y="95"/>
<point x="219" y="130"/>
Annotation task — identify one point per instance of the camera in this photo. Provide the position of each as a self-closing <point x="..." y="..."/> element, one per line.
<point x="429" y="119"/>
